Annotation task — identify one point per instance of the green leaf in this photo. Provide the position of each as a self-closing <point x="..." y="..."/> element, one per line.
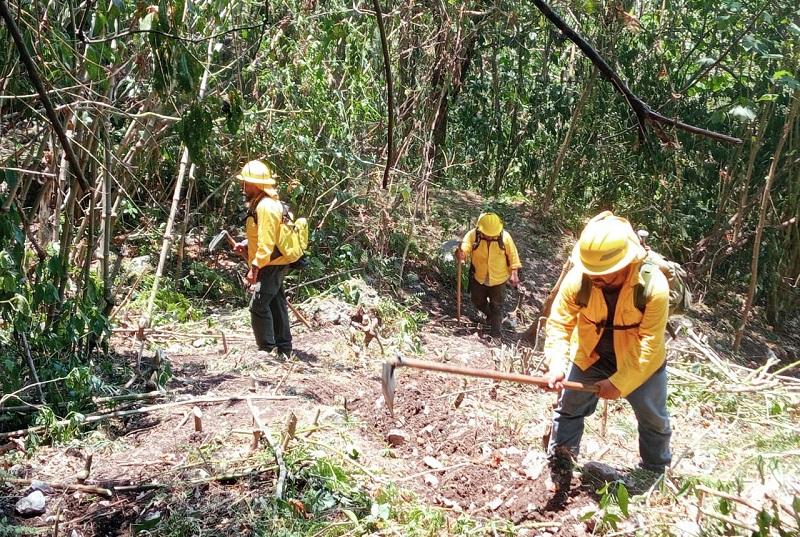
<point x="350" y="515"/>
<point x="195" y="129"/>
<point x="786" y="79"/>
<point x="768" y="97"/>
<point x="233" y="111"/>
<point x="622" y="499"/>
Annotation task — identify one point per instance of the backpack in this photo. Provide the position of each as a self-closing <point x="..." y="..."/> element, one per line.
<point x="292" y="237"/>
<point x="680" y="297"/>
<point x="499" y="240"/>
<point x="292" y="240"/>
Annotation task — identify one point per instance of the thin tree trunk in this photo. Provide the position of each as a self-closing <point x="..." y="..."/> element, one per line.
<point x="565" y="143"/>
<point x="754" y="148"/>
<point x="187" y="216"/>
<point x="107" y="216"/>
<point x="144" y="321"/>
<point x="765" y="199"/>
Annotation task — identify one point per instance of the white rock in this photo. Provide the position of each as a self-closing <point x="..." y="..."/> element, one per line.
<point x="432" y="462"/>
<point x="494" y="504"/>
<point x="31" y="505"/>
<point x="431" y="480"/>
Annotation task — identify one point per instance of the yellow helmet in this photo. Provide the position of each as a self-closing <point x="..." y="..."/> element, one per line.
<point x="607" y="244"/>
<point x="257" y="173"/>
<point x="490" y="224"/>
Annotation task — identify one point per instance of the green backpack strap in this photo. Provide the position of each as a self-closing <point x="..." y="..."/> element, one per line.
<point x="642" y="291"/>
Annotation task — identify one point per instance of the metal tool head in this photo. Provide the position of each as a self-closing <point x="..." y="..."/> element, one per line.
<point x="215" y="242"/>
<point x="388" y="385"/>
<point x="448" y="247"/>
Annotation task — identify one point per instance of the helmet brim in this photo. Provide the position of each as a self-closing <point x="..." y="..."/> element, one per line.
<point x="490" y="232"/>
<point x="258" y="182"/>
<point x="634" y="253"/>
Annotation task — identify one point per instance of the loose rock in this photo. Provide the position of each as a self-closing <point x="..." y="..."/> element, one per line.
<point x="432" y="462"/>
<point x="397" y="437"/>
<point x="31" y="505"/>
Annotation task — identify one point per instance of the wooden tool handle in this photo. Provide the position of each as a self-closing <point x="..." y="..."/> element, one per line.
<point x="491" y="374"/>
<point x="458" y="290"/>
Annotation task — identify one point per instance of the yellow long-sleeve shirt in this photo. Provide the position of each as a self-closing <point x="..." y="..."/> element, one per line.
<point x="492" y="265"/>
<point x="573" y="335"/>
<point x="263" y="231"/>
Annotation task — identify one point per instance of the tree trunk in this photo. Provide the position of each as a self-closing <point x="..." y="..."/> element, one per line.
<point x="562" y="151"/>
<point x="765" y="199"/>
<point x="754" y="148"/>
<point x="144" y="321"/>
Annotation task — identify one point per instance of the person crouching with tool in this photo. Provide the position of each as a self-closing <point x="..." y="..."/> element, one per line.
<point x="611" y="343"/>
<point x="269" y="314"/>
<point x="494" y="261"/>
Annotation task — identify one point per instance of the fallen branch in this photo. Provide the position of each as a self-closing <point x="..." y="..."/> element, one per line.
<point x="89" y="489"/>
<point x="731" y="497"/>
<point x="276" y="448"/>
<point x="728" y="520"/>
<point x="641" y="109"/>
<point x="93" y="418"/>
<point x="128" y="397"/>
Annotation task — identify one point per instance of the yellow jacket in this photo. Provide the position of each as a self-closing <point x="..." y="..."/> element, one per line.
<point x="263" y="231"/>
<point x="640" y="350"/>
<point x="492" y="265"/>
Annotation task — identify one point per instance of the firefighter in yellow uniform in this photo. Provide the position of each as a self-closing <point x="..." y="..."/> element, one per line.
<point x="494" y="261"/>
<point x="609" y="341"/>
<point x="269" y="314"/>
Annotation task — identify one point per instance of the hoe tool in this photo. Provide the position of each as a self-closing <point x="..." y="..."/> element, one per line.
<point x="389" y="382"/>
<point x="214" y="244"/>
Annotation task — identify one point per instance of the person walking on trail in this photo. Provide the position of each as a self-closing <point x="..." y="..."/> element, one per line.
<point x="269" y="314"/>
<point x="596" y="324"/>
<point x="494" y="261"/>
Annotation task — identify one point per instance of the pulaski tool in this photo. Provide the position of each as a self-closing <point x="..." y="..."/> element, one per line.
<point x="389" y="381"/>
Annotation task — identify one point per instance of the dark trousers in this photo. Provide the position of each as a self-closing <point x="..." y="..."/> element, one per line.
<point x="649" y="403"/>
<point x="489" y="300"/>
<point x="269" y="313"/>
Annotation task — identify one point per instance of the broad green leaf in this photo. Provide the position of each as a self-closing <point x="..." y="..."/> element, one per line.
<point x="785" y="78"/>
<point x="768" y="97"/>
<point x="622" y="499"/>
